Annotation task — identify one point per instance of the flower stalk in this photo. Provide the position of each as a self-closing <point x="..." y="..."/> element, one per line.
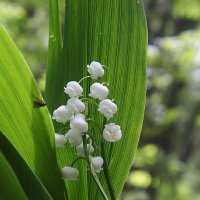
<point x="81" y="134"/>
<point x="96" y="179"/>
<point x="105" y="168"/>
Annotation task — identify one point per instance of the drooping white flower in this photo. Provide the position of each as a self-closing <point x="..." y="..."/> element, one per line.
<point x="74" y="137"/>
<point x="97" y="163"/>
<point x="78" y="123"/>
<point x="69" y="173"/>
<point x="62" y="114"/>
<point x="80" y="149"/>
<point x="60" y="140"/>
<point x="98" y="91"/>
<point x="76" y="105"/>
<point x="107" y="108"/>
<point x="112" y="132"/>
<point x="73" y="89"/>
<point x="95" y="69"/>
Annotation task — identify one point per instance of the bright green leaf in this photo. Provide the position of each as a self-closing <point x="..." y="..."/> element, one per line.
<point x="115" y="34"/>
<point x="28" y="128"/>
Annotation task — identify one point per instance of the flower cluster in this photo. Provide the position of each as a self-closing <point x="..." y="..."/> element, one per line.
<point x="74" y="114"/>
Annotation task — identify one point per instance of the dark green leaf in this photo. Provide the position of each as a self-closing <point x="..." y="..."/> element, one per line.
<point x="10" y="188"/>
<point x="28" y="180"/>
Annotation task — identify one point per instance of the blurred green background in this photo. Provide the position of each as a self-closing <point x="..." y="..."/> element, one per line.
<point x="167" y="164"/>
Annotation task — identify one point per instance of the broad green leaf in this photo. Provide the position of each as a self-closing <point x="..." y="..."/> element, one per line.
<point x="114" y="33"/>
<point x="28" y="128"/>
<point x="55" y="49"/>
<point x="31" y="185"/>
<point x="10" y="187"/>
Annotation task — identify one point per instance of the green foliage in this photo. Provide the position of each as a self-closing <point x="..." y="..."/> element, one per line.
<point x="10" y="187"/>
<point x="28" y="128"/>
<point x="116" y="36"/>
<point x="29" y="28"/>
<point x="168" y="151"/>
<point x="181" y="9"/>
<point x="33" y="187"/>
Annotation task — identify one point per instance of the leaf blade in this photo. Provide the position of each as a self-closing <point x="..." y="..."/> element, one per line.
<point x="28" y="128"/>
<point x="33" y="188"/>
<point x="10" y="187"/>
<point x="114" y="33"/>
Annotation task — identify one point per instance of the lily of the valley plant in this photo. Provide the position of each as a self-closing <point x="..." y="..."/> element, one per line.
<point x="99" y="104"/>
<point x="80" y="127"/>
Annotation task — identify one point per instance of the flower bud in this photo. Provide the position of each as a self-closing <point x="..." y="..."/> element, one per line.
<point x="60" y="140"/>
<point x="69" y="173"/>
<point x="95" y="69"/>
<point x="73" y="89"/>
<point x="80" y="149"/>
<point x="78" y="123"/>
<point x="97" y="163"/>
<point x="76" y="105"/>
<point x="74" y="137"/>
<point x="112" y="132"/>
<point x="98" y="91"/>
<point x="107" y="108"/>
<point x="62" y="114"/>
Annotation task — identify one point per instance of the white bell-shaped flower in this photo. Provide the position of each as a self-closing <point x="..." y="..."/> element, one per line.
<point x="60" y="140"/>
<point x="69" y="173"/>
<point x="107" y="108"/>
<point x="76" y="105"/>
<point x="73" y="89"/>
<point x="78" y="123"/>
<point x="80" y="149"/>
<point x="74" y="137"/>
<point x="97" y="163"/>
<point x="112" y="132"/>
<point x="62" y="114"/>
<point x="98" y="91"/>
<point x="95" y="69"/>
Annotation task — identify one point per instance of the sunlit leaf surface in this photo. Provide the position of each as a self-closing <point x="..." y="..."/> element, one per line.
<point x="27" y="127"/>
<point x="115" y="34"/>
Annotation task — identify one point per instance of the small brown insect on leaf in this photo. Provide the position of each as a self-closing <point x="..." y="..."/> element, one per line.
<point x="39" y="103"/>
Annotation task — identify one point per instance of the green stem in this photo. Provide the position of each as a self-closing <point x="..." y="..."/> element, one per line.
<point x="92" y="120"/>
<point x="93" y="140"/>
<point x="90" y="100"/>
<point x="63" y="129"/>
<point x="110" y="154"/>
<point x="106" y="173"/>
<point x="105" y="67"/>
<point x="105" y="83"/>
<point x="79" y="158"/>
<point x="96" y="179"/>
<point x="84" y="78"/>
<point x="105" y="168"/>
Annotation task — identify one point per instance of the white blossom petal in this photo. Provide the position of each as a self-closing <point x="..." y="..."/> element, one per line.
<point x="69" y="173"/>
<point x="74" y="137"/>
<point x="107" y="108"/>
<point x="62" y="114"/>
<point x="60" y="140"/>
<point x="76" y="105"/>
<point x="73" y="89"/>
<point x="112" y="132"/>
<point x="97" y="163"/>
<point x="80" y="149"/>
<point x="95" y="69"/>
<point x="98" y="91"/>
<point x="79" y="123"/>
